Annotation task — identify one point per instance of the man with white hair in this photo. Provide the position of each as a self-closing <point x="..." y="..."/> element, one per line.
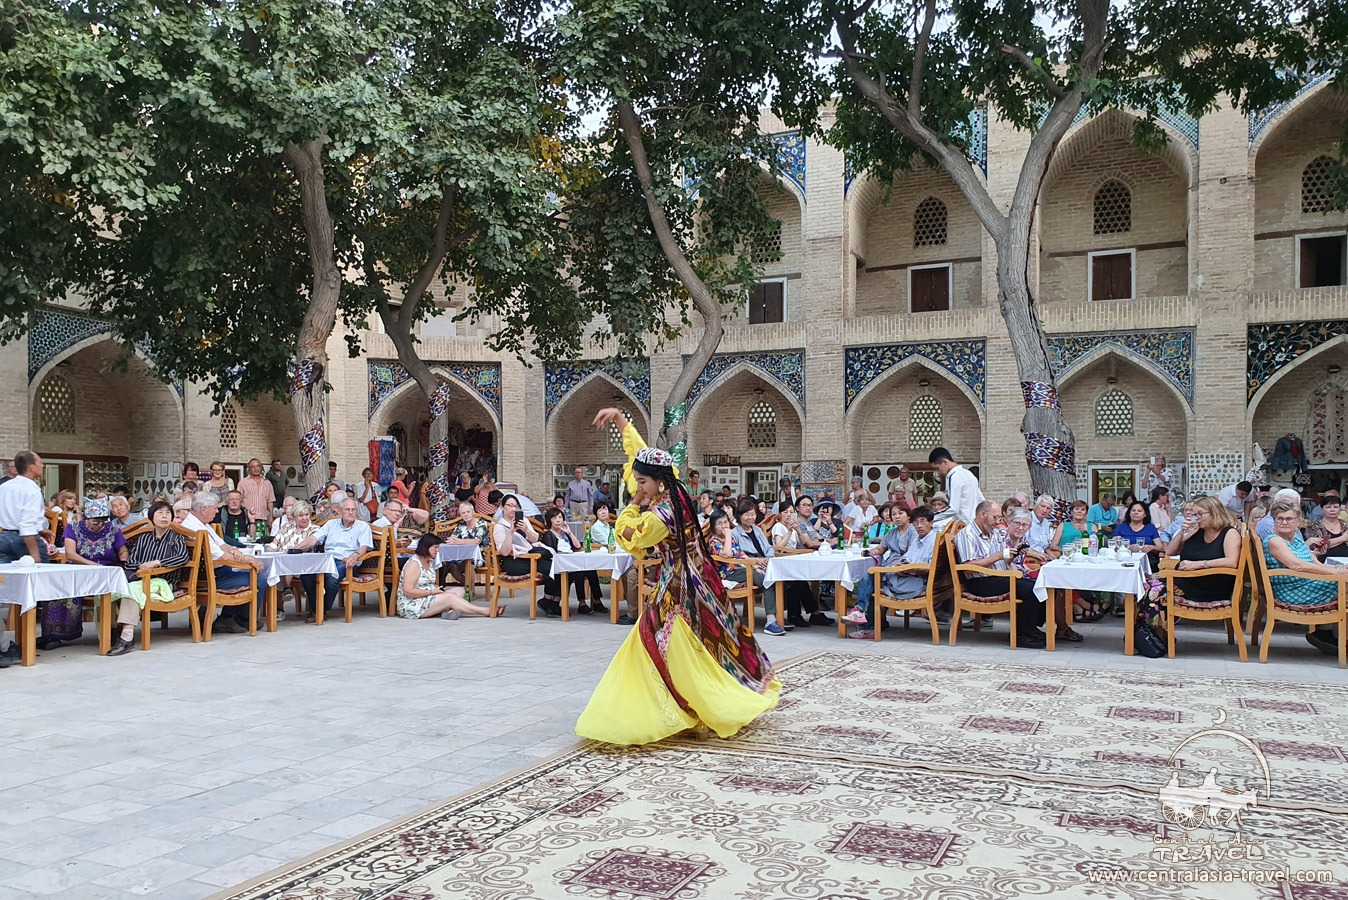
<point x="231" y="564"/>
<point x="346" y="540"/>
<point x="1041" y="524"/>
<point x="1264" y="528"/>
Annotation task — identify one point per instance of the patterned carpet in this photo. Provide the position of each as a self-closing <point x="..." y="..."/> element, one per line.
<point x="1043" y="783"/>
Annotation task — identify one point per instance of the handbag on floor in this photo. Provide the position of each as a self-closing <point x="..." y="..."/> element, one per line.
<point x="1147" y="643"/>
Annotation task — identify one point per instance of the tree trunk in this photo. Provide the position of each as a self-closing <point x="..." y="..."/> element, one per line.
<point x="674" y="432"/>
<point x="307" y="386"/>
<point x="1050" y="447"/>
<point x="439" y="491"/>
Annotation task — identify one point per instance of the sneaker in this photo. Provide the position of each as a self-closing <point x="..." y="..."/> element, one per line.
<point x="450" y="615"/>
<point x="7" y="661"/>
<point x="862" y="634"/>
<point x="226" y="625"/>
<point x="855" y="617"/>
<point x="1032" y="640"/>
<point x="11" y="652"/>
<point x="625" y="619"/>
<point x="788" y="627"/>
<point x="820" y="619"/>
<point x="799" y="622"/>
<point x="280" y="615"/>
<point x="774" y="629"/>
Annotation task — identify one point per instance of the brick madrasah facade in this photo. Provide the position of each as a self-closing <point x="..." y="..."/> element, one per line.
<point x="1199" y="342"/>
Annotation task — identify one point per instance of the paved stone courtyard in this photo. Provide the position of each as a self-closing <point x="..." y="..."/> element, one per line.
<point x="191" y="768"/>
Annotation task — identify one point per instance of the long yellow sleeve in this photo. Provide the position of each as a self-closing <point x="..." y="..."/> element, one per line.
<point x="633" y="444"/>
<point x="638" y="531"/>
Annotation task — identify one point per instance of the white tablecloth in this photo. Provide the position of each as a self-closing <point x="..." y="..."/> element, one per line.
<point x="1337" y="560"/>
<point x="1114" y="577"/>
<point x="461" y="553"/>
<point x="30" y="585"/>
<point x="277" y="565"/>
<point x="618" y="562"/>
<point x="847" y="568"/>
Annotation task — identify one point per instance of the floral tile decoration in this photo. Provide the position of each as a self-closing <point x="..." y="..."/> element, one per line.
<point x="1168" y="352"/>
<point x="560" y="379"/>
<point x="483" y="379"/>
<point x="965" y="360"/>
<point x="1274" y="346"/>
<point x="784" y="368"/>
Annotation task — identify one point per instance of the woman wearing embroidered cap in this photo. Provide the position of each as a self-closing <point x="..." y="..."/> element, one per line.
<point x="689" y="661"/>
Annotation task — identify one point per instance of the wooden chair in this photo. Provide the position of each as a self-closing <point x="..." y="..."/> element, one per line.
<point x="444" y="528"/>
<point x="213" y="596"/>
<point x="184" y="595"/>
<point x="926" y="603"/>
<point x="497" y="580"/>
<point x="1229" y="613"/>
<point x="974" y="604"/>
<point x="367" y="581"/>
<point x="56" y="524"/>
<point x="745" y="592"/>
<point x="1335" y="613"/>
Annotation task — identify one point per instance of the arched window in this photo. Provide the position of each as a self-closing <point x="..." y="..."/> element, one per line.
<point x="929" y="223"/>
<point x="229" y="427"/>
<point x="1318" y="185"/>
<point x="762" y="425"/>
<point x="1113" y="208"/>
<point x="615" y="437"/>
<point x="925" y="423"/>
<point x="56" y="402"/>
<point x="1114" y="413"/>
<point x="767" y="243"/>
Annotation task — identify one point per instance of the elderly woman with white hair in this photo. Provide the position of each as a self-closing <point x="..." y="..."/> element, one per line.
<point x="1265" y="526"/>
<point x="1286" y="549"/>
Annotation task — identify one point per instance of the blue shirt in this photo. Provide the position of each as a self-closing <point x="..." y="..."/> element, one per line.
<point x="1098" y="515"/>
<point x="342" y="542"/>
<point x="1041" y="533"/>
<point x="1147" y="534"/>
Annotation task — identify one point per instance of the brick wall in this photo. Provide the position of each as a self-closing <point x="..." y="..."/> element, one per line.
<point x="879" y="423"/>
<point x="1160" y="420"/>
<point x="719" y="422"/>
<point x="1286" y="406"/>
<point x="573" y="441"/>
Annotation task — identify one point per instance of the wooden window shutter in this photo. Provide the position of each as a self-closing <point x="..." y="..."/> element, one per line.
<point x="931" y="289"/>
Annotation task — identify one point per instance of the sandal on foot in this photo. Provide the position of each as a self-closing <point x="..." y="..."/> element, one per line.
<point x="500" y="611"/>
<point x="1094" y="613"/>
<point x="1067" y="633"/>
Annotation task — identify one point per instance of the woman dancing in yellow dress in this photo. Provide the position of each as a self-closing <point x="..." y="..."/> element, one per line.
<point x="689" y="661"/>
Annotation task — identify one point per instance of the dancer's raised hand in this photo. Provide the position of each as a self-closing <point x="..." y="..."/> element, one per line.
<point x="610" y="414"/>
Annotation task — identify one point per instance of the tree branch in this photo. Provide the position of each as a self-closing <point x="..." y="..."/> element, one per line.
<point x="416" y="289"/>
<point x="703" y="301"/>
<point x="952" y="160"/>
<point x="1045" y="78"/>
<point x="919" y="57"/>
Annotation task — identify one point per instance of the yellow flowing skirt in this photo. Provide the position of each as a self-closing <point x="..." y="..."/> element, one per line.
<point x="631" y="705"/>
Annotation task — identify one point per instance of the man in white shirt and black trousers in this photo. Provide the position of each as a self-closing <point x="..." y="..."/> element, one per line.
<point x="960" y="484"/>
<point x="22" y="519"/>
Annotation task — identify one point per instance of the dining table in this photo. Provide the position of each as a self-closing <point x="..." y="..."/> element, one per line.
<point x="842" y="567"/>
<point x="1092" y="573"/>
<point x="24" y="585"/>
<point x="616" y="562"/>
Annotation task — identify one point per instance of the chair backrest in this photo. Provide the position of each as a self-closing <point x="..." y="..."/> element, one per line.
<point x="443" y="528"/>
<point x="383" y="540"/>
<point x="1253" y="549"/>
<point x="136" y="529"/>
<point x="194" y="542"/>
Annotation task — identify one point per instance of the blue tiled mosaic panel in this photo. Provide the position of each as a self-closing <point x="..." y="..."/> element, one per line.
<point x="1258" y="120"/>
<point x="1171" y="352"/>
<point x="965" y="360"/>
<point x="561" y="378"/>
<point x="784" y="367"/>
<point x="55" y="331"/>
<point x="791" y="157"/>
<point x="1270" y="347"/>
<point x="483" y="379"/>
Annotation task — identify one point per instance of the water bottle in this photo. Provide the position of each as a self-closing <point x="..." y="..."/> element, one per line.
<point x="587" y="540"/>
<point x="261" y="531"/>
<point x="1093" y="547"/>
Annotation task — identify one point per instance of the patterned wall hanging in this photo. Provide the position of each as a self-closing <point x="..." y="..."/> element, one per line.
<point x="965" y="360"/>
<point x="1210" y="472"/>
<point x="1169" y="353"/>
<point x="784" y="368"/>
<point x="1271" y="347"/>
<point x="386" y="376"/>
<point x="561" y="379"/>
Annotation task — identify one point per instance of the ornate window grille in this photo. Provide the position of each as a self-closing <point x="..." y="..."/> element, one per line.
<point x="1114" y="413"/>
<point x="930" y="223"/>
<point x="762" y="426"/>
<point x="925" y="423"/>
<point x="1113" y="208"/>
<point x="56" y="400"/>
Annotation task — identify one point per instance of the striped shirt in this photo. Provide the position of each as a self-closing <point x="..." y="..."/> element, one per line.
<point x="170" y="550"/>
<point x="972" y="544"/>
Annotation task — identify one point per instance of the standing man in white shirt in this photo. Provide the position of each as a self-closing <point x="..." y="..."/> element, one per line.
<point x="1233" y="497"/>
<point x="22" y="519"/>
<point x="960" y="484"/>
<point x="346" y="539"/>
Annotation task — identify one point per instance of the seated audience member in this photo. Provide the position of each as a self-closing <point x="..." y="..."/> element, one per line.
<point x="605" y="494"/>
<point x="1258" y="510"/>
<point x="418" y="596"/>
<point x="514" y="537"/>
<point x="982" y="544"/>
<point x="346" y="540"/>
<point x="392" y="515"/>
<point x="1329" y="536"/>
<point x="601" y="536"/>
<point x="762" y="507"/>
<point x="1087" y="604"/>
<point x="1209" y="541"/>
<point x="1160" y="508"/>
<point x="296" y="529"/>
<point x="158" y="548"/>
<point x="1286" y="549"/>
<point x="705" y="505"/>
<point x="797" y="597"/>
<point x="807" y="533"/>
<point x="939" y="504"/>
<point x="825" y="523"/>
<point x="191" y="476"/>
<point x="234" y="519"/>
<point x="68" y="503"/>
<point x="881" y="525"/>
<point x="863" y="515"/>
<point x="786" y="530"/>
<point x="1186" y="515"/>
<point x="91" y="541"/>
<point x="122" y="516"/>
<point x="1265" y="526"/>
<point x="288" y="503"/>
<point x="231" y="565"/>
<point x="1008" y="504"/>
<point x="181" y="510"/>
<point x="557" y="537"/>
<point x="722" y="544"/>
<point x="892" y="546"/>
<point x="1137" y="528"/>
<point x="1104" y="516"/>
<point x="601" y="529"/>
<point x="918" y="549"/>
<point x="1041" y="523"/>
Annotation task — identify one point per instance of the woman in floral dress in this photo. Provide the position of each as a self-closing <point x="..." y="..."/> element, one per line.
<point x="689" y="661"/>
<point x="92" y="541"/>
